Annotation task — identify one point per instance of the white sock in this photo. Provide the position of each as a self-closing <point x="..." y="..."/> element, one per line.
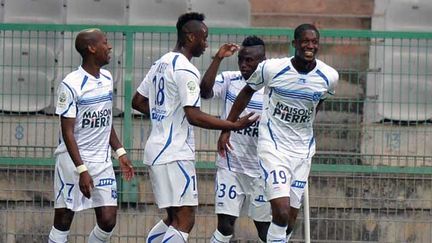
<point x="276" y="233"/>
<point x="157" y="233"/>
<point x="98" y="235"/>
<point x="57" y="236"/>
<point x="289" y="236"/>
<point x="172" y="235"/>
<point x="218" y="237"/>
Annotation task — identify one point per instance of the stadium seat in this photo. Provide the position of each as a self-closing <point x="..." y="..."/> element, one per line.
<point x="402" y="15"/>
<point x="21" y="55"/>
<point x="224" y="13"/>
<point x="34" y="11"/>
<point x="24" y="90"/>
<point x="156" y="12"/>
<point x="402" y="87"/>
<point x="107" y="12"/>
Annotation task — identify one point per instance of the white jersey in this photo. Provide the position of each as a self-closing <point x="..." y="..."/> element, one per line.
<point x="89" y="100"/>
<point x="171" y="84"/>
<point x="286" y="123"/>
<point x="243" y="158"/>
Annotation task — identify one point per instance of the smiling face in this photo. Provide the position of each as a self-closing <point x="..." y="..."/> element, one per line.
<point x="307" y="45"/>
<point x="102" y="49"/>
<point x="248" y="59"/>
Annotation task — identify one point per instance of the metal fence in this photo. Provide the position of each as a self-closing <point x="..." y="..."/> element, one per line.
<point x="371" y="177"/>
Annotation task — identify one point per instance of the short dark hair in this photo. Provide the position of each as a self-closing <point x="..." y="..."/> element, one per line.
<point x="253" y="40"/>
<point x="184" y="18"/>
<point x="303" y="27"/>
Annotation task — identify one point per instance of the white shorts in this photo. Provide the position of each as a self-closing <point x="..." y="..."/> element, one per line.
<point x="239" y="194"/>
<point x="174" y="184"/>
<point x="66" y="185"/>
<point x="284" y="176"/>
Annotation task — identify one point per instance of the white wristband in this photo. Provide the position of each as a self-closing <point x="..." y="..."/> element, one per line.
<point x="81" y="168"/>
<point x="120" y="152"/>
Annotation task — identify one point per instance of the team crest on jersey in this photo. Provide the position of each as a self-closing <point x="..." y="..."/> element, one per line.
<point x="114" y="193"/>
<point x="191" y="85"/>
<point x="301" y="81"/>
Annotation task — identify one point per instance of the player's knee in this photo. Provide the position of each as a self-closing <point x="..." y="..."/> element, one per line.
<point x="280" y="215"/>
<point x="107" y="223"/>
<point x="226" y="229"/>
<point x="226" y="224"/>
<point x="184" y="219"/>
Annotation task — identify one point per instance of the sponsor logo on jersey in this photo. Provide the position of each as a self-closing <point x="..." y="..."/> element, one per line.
<point x="292" y="114"/>
<point x="299" y="184"/>
<point x="106" y="182"/>
<point x="93" y="119"/>
<point x="158" y="114"/>
<point x="251" y="131"/>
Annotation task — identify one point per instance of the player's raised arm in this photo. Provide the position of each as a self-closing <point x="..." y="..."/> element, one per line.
<point x="208" y="80"/>
<point x="241" y="102"/>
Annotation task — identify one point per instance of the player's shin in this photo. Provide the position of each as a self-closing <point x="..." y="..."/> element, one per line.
<point x="57" y="236"/>
<point x="276" y="233"/>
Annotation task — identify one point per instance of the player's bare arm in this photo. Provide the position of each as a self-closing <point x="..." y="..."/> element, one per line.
<point x="207" y="82"/>
<point x="240" y="103"/>
<point x="124" y="161"/>
<point x="238" y="107"/>
<point x="68" y="127"/>
<point x="200" y="119"/>
<point x="140" y="103"/>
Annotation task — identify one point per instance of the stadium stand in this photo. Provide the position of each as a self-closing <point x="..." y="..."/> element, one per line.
<point x="24" y="90"/>
<point x="156" y="12"/>
<point x="107" y="12"/>
<point x="224" y="13"/>
<point x="34" y="11"/>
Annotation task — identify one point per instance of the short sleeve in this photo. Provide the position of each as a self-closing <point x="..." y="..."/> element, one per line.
<point x="258" y="79"/>
<point x="333" y="81"/>
<point x="66" y="101"/>
<point x="188" y="87"/>
<point x="143" y="88"/>
<point x="220" y="86"/>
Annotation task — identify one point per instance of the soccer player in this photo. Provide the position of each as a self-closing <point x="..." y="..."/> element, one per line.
<point x="84" y="175"/>
<point x="238" y="186"/>
<point x="295" y="86"/>
<point x="170" y="92"/>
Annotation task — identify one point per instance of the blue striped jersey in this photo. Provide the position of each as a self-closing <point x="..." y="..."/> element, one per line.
<point x="243" y="158"/>
<point x="88" y="99"/>
<point x="171" y="84"/>
<point x="286" y="123"/>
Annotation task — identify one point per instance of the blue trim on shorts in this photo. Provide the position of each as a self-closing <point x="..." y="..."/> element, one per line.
<point x="62" y="185"/>
<point x="187" y="179"/>
<point x="265" y="172"/>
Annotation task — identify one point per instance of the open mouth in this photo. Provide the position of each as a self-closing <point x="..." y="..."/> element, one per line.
<point x="308" y="54"/>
